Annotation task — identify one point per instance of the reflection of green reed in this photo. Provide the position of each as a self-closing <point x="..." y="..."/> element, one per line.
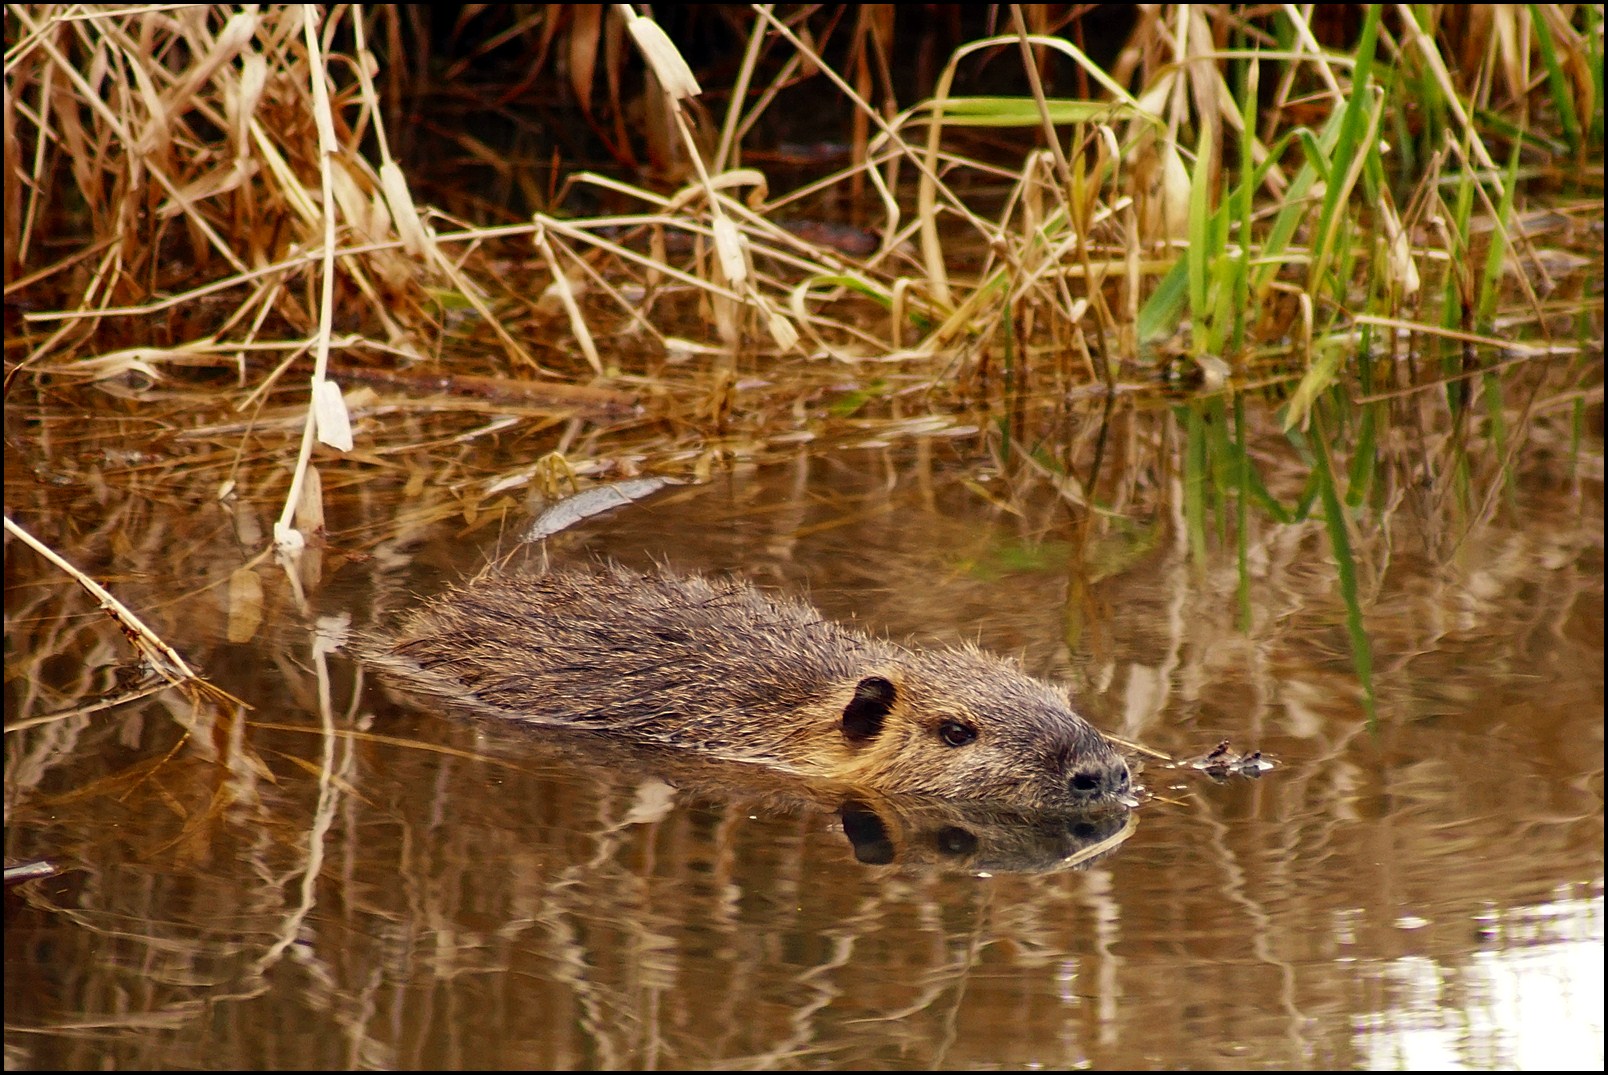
<point x="1309" y="242"/>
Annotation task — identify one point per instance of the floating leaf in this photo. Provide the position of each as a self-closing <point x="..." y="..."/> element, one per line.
<point x="594" y="501"/>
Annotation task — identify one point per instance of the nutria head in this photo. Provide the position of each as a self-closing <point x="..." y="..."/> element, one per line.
<point x="961" y="724"/>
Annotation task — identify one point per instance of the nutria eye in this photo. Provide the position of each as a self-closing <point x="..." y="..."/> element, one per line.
<point x="955" y="734"/>
<point x="955" y="841"/>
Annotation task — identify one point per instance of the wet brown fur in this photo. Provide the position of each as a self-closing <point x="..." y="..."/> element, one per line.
<point x="718" y="667"/>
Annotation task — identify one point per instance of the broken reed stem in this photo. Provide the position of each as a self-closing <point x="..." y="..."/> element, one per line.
<point x="164" y="659"/>
<point x="286" y="537"/>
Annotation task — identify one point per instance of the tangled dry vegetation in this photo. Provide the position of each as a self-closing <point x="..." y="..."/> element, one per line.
<point x="1295" y="265"/>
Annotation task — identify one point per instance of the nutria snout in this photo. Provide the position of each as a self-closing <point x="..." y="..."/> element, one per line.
<point x="718" y="667"/>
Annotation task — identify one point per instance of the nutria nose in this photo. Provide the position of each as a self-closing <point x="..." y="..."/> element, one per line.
<point x="1100" y="779"/>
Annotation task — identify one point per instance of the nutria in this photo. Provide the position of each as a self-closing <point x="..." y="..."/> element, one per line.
<point x="718" y="667"/>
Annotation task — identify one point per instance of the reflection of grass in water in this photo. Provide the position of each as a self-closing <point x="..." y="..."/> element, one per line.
<point x="1310" y="244"/>
<point x="1014" y="557"/>
<point x="1114" y="551"/>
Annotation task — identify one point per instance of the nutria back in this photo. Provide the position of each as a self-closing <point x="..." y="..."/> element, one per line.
<point x="719" y="667"/>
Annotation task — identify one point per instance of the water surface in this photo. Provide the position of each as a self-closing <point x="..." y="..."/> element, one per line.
<point x="346" y="876"/>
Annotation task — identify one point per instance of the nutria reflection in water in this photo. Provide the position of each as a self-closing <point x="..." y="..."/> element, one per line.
<point x="720" y="668"/>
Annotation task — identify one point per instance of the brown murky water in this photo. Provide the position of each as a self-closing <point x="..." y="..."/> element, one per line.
<point x="344" y="876"/>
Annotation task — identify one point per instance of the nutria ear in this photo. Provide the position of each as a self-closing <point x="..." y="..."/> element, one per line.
<point x="862" y="717"/>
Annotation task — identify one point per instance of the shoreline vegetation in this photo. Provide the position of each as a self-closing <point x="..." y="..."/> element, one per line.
<point x="1219" y="269"/>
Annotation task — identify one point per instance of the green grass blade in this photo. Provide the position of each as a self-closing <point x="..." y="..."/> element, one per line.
<point x="1557" y="83"/>
<point x="1024" y="111"/>
<point x="1199" y="253"/>
<point x="1162" y="311"/>
<point x="1358" y="141"/>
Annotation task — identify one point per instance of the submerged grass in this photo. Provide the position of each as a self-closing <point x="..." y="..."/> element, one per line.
<point x="1312" y="249"/>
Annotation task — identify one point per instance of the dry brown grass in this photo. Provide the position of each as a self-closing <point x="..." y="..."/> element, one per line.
<point x="203" y="203"/>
